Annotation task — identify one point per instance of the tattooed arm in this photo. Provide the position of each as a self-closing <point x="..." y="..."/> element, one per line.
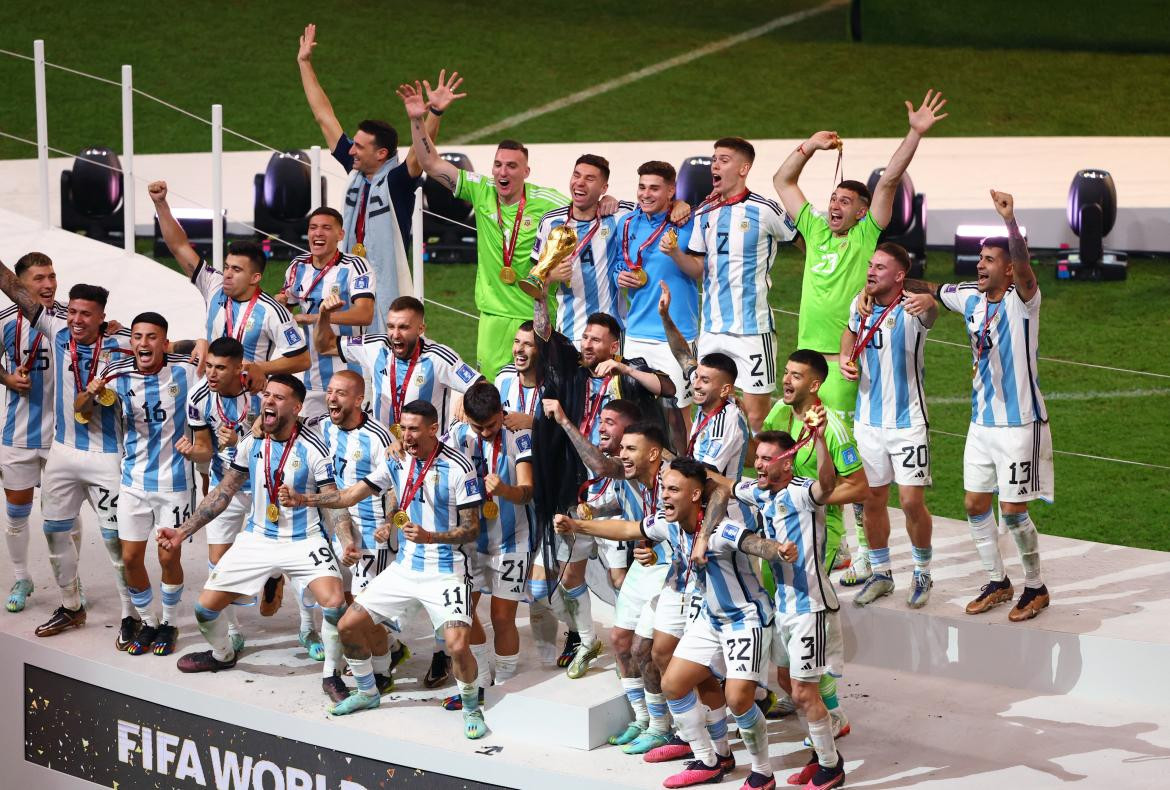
<point x="597" y="462"/>
<point x="433" y="165"/>
<point x="212" y="505"/>
<point x="328" y="497"/>
<point x="541" y="324"/>
<point x="679" y="347"/>
<point x="1025" y="278"/>
<point x="466" y="531"/>
<point x="339" y="523"/>
<point x="769" y="550"/>
<point x="11" y="286"/>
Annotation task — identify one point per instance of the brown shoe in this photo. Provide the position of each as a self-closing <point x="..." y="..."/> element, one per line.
<point x="62" y="620"/>
<point x="1031" y="602"/>
<point x="992" y="594"/>
<point x="273" y="596"/>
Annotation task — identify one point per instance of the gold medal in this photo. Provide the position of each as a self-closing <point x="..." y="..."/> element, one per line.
<point x="812" y="419"/>
<point x="974" y="370"/>
<point x="671" y="239"/>
<point x="81" y="418"/>
<point x="640" y="276"/>
<point x="396" y="431"/>
<point x="584" y="512"/>
<point x="508" y="275"/>
<point x="400" y="519"/>
<point x="359" y="250"/>
<point x="273" y="513"/>
<point x="107" y="397"/>
<point x="491" y="509"/>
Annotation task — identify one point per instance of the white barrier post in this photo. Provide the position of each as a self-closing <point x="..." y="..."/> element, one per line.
<point x="217" y="186"/>
<point x="416" y="243"/>
<point x="129" y="187"/>
<point x="315" y="175"/>
<point x="42" y="128"/>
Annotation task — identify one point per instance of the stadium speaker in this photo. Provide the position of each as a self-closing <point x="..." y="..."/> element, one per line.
<point x="196" y="223"/>
<point x="694" y="180"/>
<point x="91" y="195"/>
<point x="448" y="230"/>
<point x="281" y="202"/>
<point x="907" y="225"/>
<point x="969" y="243"/>
<point x="1092" y="212"/>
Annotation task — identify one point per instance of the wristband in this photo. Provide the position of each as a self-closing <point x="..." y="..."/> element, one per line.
<point x="431" y="109"/>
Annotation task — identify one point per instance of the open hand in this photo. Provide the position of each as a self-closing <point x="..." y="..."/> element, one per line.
<point x="929" y="113"/>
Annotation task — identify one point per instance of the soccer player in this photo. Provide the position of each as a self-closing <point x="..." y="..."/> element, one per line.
<point x="732" y="247"/>
<point x="83" y="463"/>
<point x="28" y="414"/>
<point x="586" y="282"/>
<point x="236" y="306"/>
<point x="507" y="215"/>
<point x="719" y="438"/>
<point x="149" y="392"/>
<point x="503" y="557"/>
<point x="806" y="638"/>
<point x="290" y="539"/>
<point x="519" y="386"/>
<point x="217" y="413"/>
<point x="357" y="445"/>
<point x="884" y="353"/>
<point x="1009" y="441"/>
<point x="438" y="495"/>
<point x="325" y="271"/>
<point x="649" y="243"/>
<point x="402" y="364"/>
<point x="379" y="198"/>
<point x="838" y="245"/>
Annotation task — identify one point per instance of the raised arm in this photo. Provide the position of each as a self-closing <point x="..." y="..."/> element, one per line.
<point x="1025" y="277"/>
<point x="597" y="462"/>
<point x="438" y="100"/>
<point x="324" y="338"/>
<point x="541" y="323"/>
<point x="11" y="286"/>
<point x="789" y="173"/>
<point x="318" y="101"/>
<point x="826" y="480"/>
<point x="679" y="347"/>
<point x="610" y="529"/>
<point x="881" y="206"/>
<point x="172" y="232"/>
<point x="432" y="164"/>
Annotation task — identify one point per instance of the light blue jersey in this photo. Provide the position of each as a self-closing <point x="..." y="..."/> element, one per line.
<point x="153" y="408"/>
<point x="356" y="453"/>
<point x="592" y="287"/>
<point x="28" y="416"/>
<point x="448" y="486"/>
<point x="507" y="533"/>
<point x="514" y="396"/>
<point x="643" y="321"/>
<point x="307" y="469"/>
<point x="738" y="243"/>
<point x="350" y="279"/>
<point x="791" y="514"/>
<point x="891" y="368"/>
<point x="207" y="410"/>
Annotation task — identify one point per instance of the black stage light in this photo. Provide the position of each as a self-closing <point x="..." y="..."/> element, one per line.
<point x="907" y="225"/>
<point x="282" y="195"/>
<point x="91" y="196"/>
<point x="447" y="237"/>
<point x="1092" y="212"/>
<point x="694" y="183"/>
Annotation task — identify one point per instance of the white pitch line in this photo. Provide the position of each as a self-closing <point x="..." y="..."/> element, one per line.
<point x="1089" y="395"/>
<point x="642" y="73"/>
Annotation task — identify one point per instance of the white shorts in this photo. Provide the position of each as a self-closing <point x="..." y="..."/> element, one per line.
<point x="502" y="575"/>
<point x="224" y="527"/>
<point x="358" y="576"/>
<point x="74" y="476"/>
<point x="675" y="611"/>
<point x="1016" y="461"/>
<point x="809" y="645"/>
<point x="139" y="512"/>
<point x="21" y="467"/>
<point x="635" y="602"/>
<point x="899" y="455"/>
<point x="754" y="355"/>
<point x="656" y="354"/>
<point x="614" y="553"/>
<point x="394" y="593"/>
<point x="743" y="651"/>
<point x="314" y="405"/>
<point x="252" y="559"/>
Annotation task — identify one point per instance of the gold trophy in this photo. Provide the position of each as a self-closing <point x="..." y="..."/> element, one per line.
<point x="561" y="243"/>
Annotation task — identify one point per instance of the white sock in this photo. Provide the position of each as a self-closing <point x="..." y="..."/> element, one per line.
<point x="332" y="644"/>
<point x="63" y="559"/>
<point x="381" y="663"/>
<point x="214" y="630"/>
<point x="659" y="714"/>
<point x="363" y="675"/>
<point x="305" y="612"/>
<point x="16" y="536"/>
<point x="636" y="694"/>
<point x="172" y="594"/>
<point x="1023" y="532"/>
<point x="717" y="729"/>
<point x="690" y="718"/>
<point x="753" y="728"/>
<point x="483" y="660"/>
<point x="143" y="602"/>
<point x="582" y="612"/>
<point x="820" y="732"/>
<point x="113" y="547"/>
<point x="506" y="667"/>
<point x="233" y="620"/>
<point x="983" y="532"/>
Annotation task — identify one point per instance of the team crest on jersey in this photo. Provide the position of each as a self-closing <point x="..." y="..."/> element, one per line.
<point x="744" y="225"/>
<point x="335" y="290"/>
<point x="465" y="373"/>
<point x="419" y="380"/>
<point x="249" y="326"/>
<point x="890" y="322"/>
<point x="357" y="454"/>
<point x="781" y="508"/>
<point x="173" y="390"/>
<point x="295" y="463"/>
<point x="433" y="478"/>
<point x="604" y="232"/>
<point x="527" y="223"/>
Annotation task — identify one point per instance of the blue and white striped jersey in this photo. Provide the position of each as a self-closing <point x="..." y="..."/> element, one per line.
<point x="889" y="391"/>
<point x="509" y="532"/>
<point x="450" y="485"/>
<point x="153" y="408"/>
<point x="1005" y="341"/>
<point x="207" y="410"/>
<point x="514" y="396"/>
<point x="266" y="330"/>
<point x="639" y="503"/>
<point x="103" y="432"/>
<point x="28" y="416"/>
<point x="307" y="470"/>
<point x="720" y="441"/>
<point x="350" y="278"/>
<point x="734" y="596"/>
<point x="738" y="242"/>
<point x="437" y="371"/>
<point x="592" y="287"/>
<point x="356" y="454"/>
<point x="792" y="514"/>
